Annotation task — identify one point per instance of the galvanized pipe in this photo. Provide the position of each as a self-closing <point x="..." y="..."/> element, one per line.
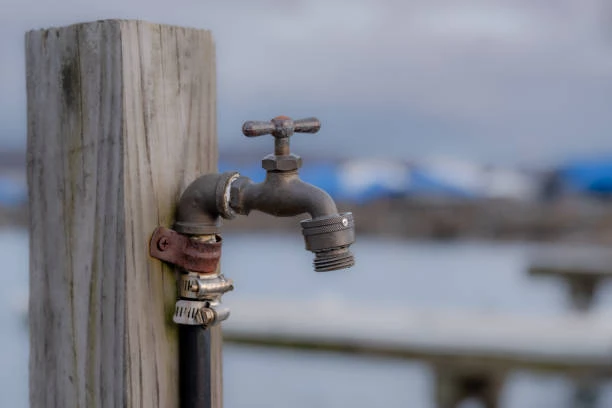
<point x="203" y="203"/>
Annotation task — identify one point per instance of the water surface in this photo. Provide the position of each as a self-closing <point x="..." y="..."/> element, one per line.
<point x="480" y="276"/>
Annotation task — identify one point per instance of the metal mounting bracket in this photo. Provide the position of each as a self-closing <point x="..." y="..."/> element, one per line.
<point x="200" y="285"/>
<point x="188" y="253"/>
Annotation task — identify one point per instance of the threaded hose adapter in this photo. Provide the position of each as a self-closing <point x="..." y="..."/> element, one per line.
<point x="329" y="238"/>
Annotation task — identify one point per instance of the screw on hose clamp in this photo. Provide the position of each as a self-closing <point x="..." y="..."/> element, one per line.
<point x="202" y="287"/>
<point x="200" y="299"/>
<point x="199" y="313"/>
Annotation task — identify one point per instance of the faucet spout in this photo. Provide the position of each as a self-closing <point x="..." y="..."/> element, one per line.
<point x="327" y="233"/>
<point x="282" y="194"/>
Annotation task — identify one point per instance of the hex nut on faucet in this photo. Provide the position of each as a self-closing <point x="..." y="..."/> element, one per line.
<point x="281" y="163"/>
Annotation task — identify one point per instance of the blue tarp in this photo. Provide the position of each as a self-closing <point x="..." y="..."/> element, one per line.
<point x="587" y="176"/>
<point x="422" y="182"/>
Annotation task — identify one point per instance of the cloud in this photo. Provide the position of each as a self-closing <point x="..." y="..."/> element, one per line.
<point x="494" y="80"/>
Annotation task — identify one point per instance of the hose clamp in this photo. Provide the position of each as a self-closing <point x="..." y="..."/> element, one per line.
<point x="200" y="285"/>
<point x="200" y="299"/>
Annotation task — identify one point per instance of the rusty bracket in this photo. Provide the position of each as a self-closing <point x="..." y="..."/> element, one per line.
<point x="188" y="253"/>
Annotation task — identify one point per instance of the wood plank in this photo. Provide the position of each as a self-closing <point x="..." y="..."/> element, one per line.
<point x="571" y="261"/>
<point x="573" y="343"/>
<point x="121" y="118"/>
<point x="583" y="268"/>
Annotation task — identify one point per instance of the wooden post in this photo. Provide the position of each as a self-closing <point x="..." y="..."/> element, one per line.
<point x="121" y="118"/>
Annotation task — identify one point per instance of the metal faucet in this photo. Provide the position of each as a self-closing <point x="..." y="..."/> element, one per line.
<point x="194" y="243"/>
<point x="214" y="196"/>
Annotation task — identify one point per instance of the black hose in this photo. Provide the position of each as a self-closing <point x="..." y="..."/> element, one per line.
<point x="194" y="367"/>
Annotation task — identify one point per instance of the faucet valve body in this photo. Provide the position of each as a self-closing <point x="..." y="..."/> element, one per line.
<point x="212" y="197"/>
<point x="327" y="234"/>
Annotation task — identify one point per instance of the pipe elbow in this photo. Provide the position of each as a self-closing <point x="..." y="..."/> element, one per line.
<point x="203" y="203"/>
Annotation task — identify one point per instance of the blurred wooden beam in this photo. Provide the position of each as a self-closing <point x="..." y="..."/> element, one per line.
<point x="575" y="344"/>
<point x="582" y="268"/>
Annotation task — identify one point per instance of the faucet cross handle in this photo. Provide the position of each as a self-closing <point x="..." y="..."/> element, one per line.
<point x="281" y="127"/>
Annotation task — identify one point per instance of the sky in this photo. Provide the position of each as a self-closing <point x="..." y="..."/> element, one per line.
<point x="512" y="82"/>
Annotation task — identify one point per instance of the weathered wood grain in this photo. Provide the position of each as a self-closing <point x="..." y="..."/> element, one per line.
<point x="121" y="118"/>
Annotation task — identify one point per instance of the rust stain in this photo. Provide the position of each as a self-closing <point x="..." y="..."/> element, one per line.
<point x="180" y="250"/>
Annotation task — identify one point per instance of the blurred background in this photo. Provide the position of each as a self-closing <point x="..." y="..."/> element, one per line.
<point x="472" y="142"/>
